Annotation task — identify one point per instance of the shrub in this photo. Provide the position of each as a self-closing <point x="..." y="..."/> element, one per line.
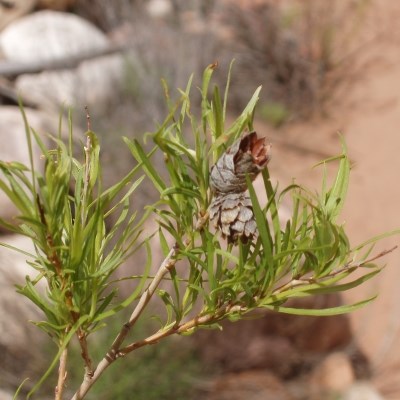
<point x="264" y="261"/>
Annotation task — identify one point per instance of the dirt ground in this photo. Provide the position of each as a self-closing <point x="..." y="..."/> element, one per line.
<point x="368" y="115"/>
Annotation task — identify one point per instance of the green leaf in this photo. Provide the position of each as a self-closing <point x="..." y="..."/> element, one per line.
<point x="136" y="292"/>
<point x="16" y="194"/>
<point x="49" y="310"/>
<point x="114" y="190"/>
<point x="324" y="312"/>
<point x="18" y="250"/>
<point x="169" y="306"/>
<point x="182" y="191"/>
<point x="262" y="223"/>
<point x="227" y="255"/>
<point x="325" y="286"/>
<point x="228" y="82"/>
<point x="273" y="209"/>
<point x="337" y="194"/>
<point x="146" y="164"/>
<point x="205" y="109"/>
<point x="377" y="238"/>
<point x="15" y="397"/>
<point x="218" y="114"/>
<point x="94" y="154"/>
<point x="163" y="243"/>
<point x="104" y="304"/>
<point x="210" y="264"/>
<point x="236" y="128"/>
<point x="175" y="281"/>
<point x="126" y="196"/>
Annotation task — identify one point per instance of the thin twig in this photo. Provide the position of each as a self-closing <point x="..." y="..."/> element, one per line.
<point x="85" y="352"/>
<point x="165" y="267"/>
<point x="168" y="263"/>
<point x="361" y="264"/>
<point x="184" y="327"/>
<point x="347" y="267"/>
<point x="62" y="375"/>
<point x="114" y="352"/>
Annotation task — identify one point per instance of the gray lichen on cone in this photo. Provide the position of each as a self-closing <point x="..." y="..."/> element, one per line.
<point x="231" y="209"/>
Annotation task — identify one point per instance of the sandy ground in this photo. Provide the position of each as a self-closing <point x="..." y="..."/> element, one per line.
<point x="369" y="117"/>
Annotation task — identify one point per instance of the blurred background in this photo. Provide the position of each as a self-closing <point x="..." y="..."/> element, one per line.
<point x="325" y="67"/>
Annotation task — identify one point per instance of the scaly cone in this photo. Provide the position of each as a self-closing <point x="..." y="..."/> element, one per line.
<point x="231" y="209"/>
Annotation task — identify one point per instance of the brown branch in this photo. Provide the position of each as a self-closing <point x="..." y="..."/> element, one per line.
<point x="362" y="263"/>
<point x="85" y="352"/>
<point x="165" y="267"/>
<point x="56" y="262"/>
<point x="175" y="329"/>
<point x="150" y="340"/>
<point x="347" y="267"/>
<point x="62" y="375"/>
<point x="89" y="380"/>
<point x="115" y="350"/>
<point x="185" y="327"/>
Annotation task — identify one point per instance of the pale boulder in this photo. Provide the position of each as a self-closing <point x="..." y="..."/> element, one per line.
<point x="14" y="144"/>
<point x="362" y="391"/>
<point x="332" y="377"/>
<point x="14" y="9"/>
<point x="49" y="36"/>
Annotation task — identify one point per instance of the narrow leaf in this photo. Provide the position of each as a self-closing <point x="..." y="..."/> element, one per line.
<point x="324" y="312"/>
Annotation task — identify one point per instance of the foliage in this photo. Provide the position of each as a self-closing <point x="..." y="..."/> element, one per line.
<point x="65" y="211"/>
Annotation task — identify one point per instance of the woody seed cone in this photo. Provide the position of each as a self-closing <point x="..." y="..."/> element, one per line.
<point x="231" y="209"/>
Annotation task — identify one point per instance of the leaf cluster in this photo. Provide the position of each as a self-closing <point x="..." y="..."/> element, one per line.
<point x="307" y="255"/>
<point x="64" y="211"/>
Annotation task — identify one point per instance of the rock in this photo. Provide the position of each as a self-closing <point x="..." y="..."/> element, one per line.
<point x="159" y="8"/>
<point x="59" y="5"/>
<point x="11" y="10"/>
<point x="251" y="385"/>
<point x="48" y="36"/>
<point x="14" y="145"/>
<point x="362" y="391"/>
<point x="332" y="376"/>
<point x="20" y="341"/>
<point x="6" y="395"/>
